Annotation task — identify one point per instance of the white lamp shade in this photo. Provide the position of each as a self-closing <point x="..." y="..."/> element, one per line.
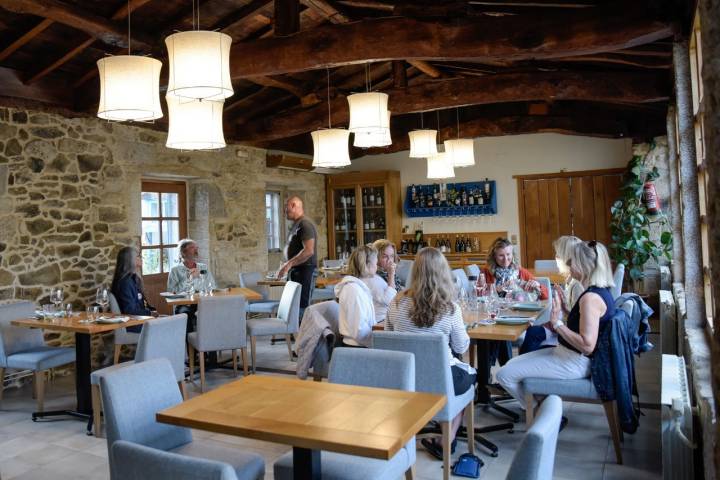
<point x="461" y="152"/>
<point x="368" y="112"/>
<point x="194" y="124"/>
<point x="199" y="65"/>
<point x="440" y="166"/>
<point x="380" y="138"/>
<point x="423" y="143"/>
<point x="331" y="148"/>
<point x="129" y="88"/>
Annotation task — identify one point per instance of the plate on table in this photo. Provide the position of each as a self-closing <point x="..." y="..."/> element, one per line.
<point x="511" y="320"/>
<point x="528" y="307"/>
<point x="172" y="295"/>
<point x="112" y="319"/>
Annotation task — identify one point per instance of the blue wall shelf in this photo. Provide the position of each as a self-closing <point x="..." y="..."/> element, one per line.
<point x="451" y="211"/>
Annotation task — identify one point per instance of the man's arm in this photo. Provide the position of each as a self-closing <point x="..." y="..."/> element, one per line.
<point x="307" y="251"/>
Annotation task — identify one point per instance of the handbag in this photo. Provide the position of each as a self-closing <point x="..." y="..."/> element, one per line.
<point x="467" y="465"/>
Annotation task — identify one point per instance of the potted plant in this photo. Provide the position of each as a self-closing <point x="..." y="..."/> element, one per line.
<point x="632" y="223"/>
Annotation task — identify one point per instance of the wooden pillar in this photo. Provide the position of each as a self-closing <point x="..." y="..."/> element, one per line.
<point x="399" y="74"/>
<point x="678" y="263"/>
<point x="694" y="293"/>
<point x="287" y="17"/>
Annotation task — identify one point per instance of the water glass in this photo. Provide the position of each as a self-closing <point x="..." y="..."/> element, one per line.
<point x="92" y="313"/>
<point x="101" y="297"/>
<point x="48" y="310"/>
<point x="56" y="297"/>
<point x="68" y="310"/>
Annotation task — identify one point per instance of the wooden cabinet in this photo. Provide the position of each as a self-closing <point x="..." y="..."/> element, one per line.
<point x="481" y="242"/>
<point x="362" y="207"/>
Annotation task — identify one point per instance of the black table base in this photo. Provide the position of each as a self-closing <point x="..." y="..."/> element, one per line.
<point x="306" y="464"/>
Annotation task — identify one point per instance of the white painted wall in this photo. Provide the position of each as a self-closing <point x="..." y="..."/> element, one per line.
<point x="499" y="158"/>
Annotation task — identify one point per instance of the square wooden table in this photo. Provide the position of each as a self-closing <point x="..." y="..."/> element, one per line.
<point x="250" y="295"/>
<point x="83" y="363"/>
<point x="310" y="416"/>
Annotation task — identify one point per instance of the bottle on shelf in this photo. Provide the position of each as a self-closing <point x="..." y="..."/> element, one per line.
<point x="366" y="225"/>
<point x="371" y="198"/>
<point x="378" y="198"/>
<point x="372" y="223"/>
<point x="457" y="243"/>
<point x="339" y="250"/>
<point x="381" y="223"/>
<point x="471" y="198"/>
<point x="487" y="190"/>
<point x="352" y="200"/>
<point x="461" y="247"/>
<point x="464" y="199"/>
<point x="468" y="245"/>
<point x="413" y="195"/>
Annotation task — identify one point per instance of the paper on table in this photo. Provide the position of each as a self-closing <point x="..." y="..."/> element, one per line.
<point x="112" y="319"/>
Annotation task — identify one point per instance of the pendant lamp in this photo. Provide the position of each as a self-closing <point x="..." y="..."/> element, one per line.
<point x="423" y="143"/>
<point x="380" y="138"/>
<point x="330" y="145"/>
<point x="129" y="88"/>
<point x="439" y="166"/>
<point x="461" y="150"/>
<point x="194" y="124"/>
<point x="368" y="112"/>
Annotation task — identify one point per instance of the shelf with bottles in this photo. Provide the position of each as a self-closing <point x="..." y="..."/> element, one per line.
<point x="451" y="199"/>
<point x="373" y="197"/>
<point x="465" y="244"/>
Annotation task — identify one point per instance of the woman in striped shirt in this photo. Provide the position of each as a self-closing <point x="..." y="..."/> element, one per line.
<point x="428" y="306"/>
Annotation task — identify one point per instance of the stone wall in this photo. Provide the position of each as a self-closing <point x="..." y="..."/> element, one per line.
<point x="70" y="198"/>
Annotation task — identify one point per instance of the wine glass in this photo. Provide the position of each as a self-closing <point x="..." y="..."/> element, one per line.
<point x="189" y="286"/>
<point x="493" y="311"/>
<point x="508" y="287"/>
<point x="56" y="297"/>
<point x="101" y="297"/>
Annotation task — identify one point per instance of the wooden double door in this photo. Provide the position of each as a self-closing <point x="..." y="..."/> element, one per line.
<point x="564" y="203"/>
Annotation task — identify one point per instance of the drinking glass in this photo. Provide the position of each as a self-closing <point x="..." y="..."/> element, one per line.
<point x="92" y="314"/>
<point x="493" y="312"/>
<point x="56" y="297"/>
<point x="68" y="310"/>
<point x="48" y="310"/>
<point x="101" y="297"/>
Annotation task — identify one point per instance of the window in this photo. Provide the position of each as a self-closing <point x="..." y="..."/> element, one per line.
<point x="272" y="220"/>
<point x="164" y="223"/>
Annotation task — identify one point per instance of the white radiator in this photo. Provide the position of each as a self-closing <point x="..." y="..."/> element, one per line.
<point x="677" y="420"/>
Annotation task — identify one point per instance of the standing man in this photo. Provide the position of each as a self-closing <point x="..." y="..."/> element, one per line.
<point x="300" y="250"/>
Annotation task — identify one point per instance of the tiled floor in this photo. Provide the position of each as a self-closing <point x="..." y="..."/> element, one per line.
<point x="60" y="449"/>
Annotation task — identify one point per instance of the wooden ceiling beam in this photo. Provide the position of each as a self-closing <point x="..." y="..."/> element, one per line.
<point x="540" y="86"/>
<point x="287" y="17"/>
<point x="567" y="33"/>
<point x="25" y="38"/>
<point x="55" y="93"/>
<point x="327" y="10"/>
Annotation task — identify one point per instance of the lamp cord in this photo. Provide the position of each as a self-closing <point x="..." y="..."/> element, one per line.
<point x="457" y="119"/>
<point x="129" y="12"/>
<point x="328" y="96"/>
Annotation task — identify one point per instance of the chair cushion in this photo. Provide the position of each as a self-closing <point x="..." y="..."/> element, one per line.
<point x="248" y="466"/>
<point x="97" y="374"/>
<point x="123" y="337"/>
<point x="455" y="405"/>
<point x="580" y="388"/>
<point x="266" y="326"/>
<point x="41" y="358"/>
<point x="262" y="307"/>
<point x="339" y="466"/>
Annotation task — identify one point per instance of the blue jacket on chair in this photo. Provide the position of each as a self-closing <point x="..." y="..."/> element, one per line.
<point x="130" y="299"/>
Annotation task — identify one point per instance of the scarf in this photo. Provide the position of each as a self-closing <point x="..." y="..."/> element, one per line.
<point x="503" y="274"/>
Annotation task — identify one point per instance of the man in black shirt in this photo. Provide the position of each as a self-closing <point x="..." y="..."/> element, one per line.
<point x="300" y="250"/>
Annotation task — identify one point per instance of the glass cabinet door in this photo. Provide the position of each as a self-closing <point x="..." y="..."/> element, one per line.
<point x="373" y="208"/>
<point x="344" y="223"/>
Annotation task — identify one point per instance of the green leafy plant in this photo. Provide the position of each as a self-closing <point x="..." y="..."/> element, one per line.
<point x="631" y="223"/>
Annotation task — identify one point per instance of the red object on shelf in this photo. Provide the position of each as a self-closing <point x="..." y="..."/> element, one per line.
<point x="650" y="198"/>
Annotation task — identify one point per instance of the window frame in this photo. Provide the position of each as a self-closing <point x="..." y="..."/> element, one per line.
<point x="279" y="225"/>
<point x="161" y="187"/>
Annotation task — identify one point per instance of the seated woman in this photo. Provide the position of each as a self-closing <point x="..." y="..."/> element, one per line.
<point x="357" y="313"/>
<point x="127" y="285"/>
<point x="542" y="336"/>
<point x="427" y="306"/>
<point x="387" y="263"/>
<point x="590" y="265"/>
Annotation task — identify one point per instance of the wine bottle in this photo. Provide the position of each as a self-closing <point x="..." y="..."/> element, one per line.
<point x="468" y="245"/>
<point x="372" y="223"/>
<point x="378" y="198"/>
<point x="366" y="224"/>
<point x="352" y="201"/>
<point x="371" y="198"/>
<point x="487" y="190"/>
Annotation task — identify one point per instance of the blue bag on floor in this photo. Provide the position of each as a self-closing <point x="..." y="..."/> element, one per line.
<point x="467" y="465"/>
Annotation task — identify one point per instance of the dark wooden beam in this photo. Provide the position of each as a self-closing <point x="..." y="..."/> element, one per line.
<point x="287" y="17"/>
<point x="476" y="39"/>
<point x="541" y="86"/>
<point x="248" y="10"/>
<point x="327" y="10"/>
<point x="25" y="38"/>
<point x="399" y="74"/>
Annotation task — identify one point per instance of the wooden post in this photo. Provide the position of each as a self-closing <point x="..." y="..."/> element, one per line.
<point x="678" y="262"/>
<point x="694" y="292"/>
<point x="399" y="74"/>
<point x="287" y="17"/>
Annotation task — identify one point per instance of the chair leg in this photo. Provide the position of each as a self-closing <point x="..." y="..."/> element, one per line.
<point x="529" y="409"/>
<point x="410" y="473"/>
<point x="39" y="381"/>
<point x="201" y="356"/>
<point x="2" y="381"/>
<point x="191" y="359"/>
<point x="116" y="354"/>
<point x="243" y="352"/>
<point x="97" y="409"/>
<point x="288" y="340"/>
<point x="445" y="426"/>
<point x="234" y="360"/>
<point x="252" y="353"/>
<point x="183" y="390"/>
<point x="612" y="418"/>
<point x="470" y="427"/>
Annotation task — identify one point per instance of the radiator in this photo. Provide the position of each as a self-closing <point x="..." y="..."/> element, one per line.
<point x="677" y="421"/>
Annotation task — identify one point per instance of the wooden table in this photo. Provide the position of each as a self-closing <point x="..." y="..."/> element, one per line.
<point x="320" y="282"/>
<point x="555" y="277"/>
<point x="310" y="416"/>
<point x="250" y="295"/>
<point x="83" y="365"/>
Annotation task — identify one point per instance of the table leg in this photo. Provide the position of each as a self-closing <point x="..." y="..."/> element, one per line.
<point x="306" y="464"/>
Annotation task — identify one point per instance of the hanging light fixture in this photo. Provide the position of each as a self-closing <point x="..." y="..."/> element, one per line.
<point x="374" y="139"/>
<point x="423" y="142"/>
<point x="461" y="150"/>
<point x="199" y="63"/>
<point x="194" y="124"/>
<point x="129" y="86"/>
<point x="369" y="112"/>
<point x="330" y="146"/>
<point x="440" y="166"/>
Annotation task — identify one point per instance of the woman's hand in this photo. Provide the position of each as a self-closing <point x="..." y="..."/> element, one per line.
<point x="557" y="304"/>
<point x="532" y="285"/>
<point x="390" y="267"/>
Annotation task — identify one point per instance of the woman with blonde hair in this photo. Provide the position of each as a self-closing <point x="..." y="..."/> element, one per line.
<point x="357" y="313"/>
<point x="589" y="264"/>
<point x="428" y="306"/>
<point x="387" y="262"/>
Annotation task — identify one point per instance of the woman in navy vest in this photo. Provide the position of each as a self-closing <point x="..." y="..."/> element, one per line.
<point x="127" y="285"/>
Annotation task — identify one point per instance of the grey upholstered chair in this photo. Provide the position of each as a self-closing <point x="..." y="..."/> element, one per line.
<point x="546" y="266"/>
<point x="315" y="318"/>
<point x="433" y="375"/>
<point x="121" y="335"/>
<point x="24" y="348"/>
<point x="133" y="461"/>
<point x="286" y="323"/>
<point x="461" y="279"/>
<point x="368" y="368"/>
<point x="134" y="394"/>
<point x="473" y="270"/>
<point x="535" y="458"/>
<point x="404" y="272"/>
<point x="220" y="326"/>
<point x="250" y="280"/>
<point x="160" y="338"/>
<point x="618" y="277"/>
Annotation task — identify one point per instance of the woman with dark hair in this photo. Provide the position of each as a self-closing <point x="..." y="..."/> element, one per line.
<point x="127" y="285"/>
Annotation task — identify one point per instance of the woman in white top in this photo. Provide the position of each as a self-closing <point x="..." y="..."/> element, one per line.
<point x="357" y="313"/>
<point x="427" y="306"/>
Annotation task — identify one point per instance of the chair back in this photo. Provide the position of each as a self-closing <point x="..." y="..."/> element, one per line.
<point x="373" y="368"/>
<point x="431" y="350"/>
<point x="330" y="310"/>
<point x="114" y="306"/>
<point x="545" y="314"/>
<point x="221" y="323"/>
<point x="289" y="308"/>
<point x="461" y="279"/>
<point x="16" y="339"/>
<point x="327" y="263"/>
<point x="404" y="272"/>
<point x="546" y="266"/>
<point x="473" y="271"/>
<point x="535" y="458"/>
<point x="131" y="461"/>
<point x="618" y="277"/>
<point x="132" y="395"/>
<point x="250" y="280"/>
<point x="164" y="338"/>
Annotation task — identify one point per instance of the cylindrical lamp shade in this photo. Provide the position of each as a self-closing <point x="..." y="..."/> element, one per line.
<point x="423" y="143"/>
<point x="461" y="152"/>
<point x="440" y="166"/>
<point x="194" y="124"/>
<point x="129" y="88"/>
<point x="380" y="138"/>
<point x="368" y="112"/>
<point x="331" y="148"/>
<point x="199" y="65"/>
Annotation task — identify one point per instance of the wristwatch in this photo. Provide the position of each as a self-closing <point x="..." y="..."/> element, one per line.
<point x="559" y="323"/>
